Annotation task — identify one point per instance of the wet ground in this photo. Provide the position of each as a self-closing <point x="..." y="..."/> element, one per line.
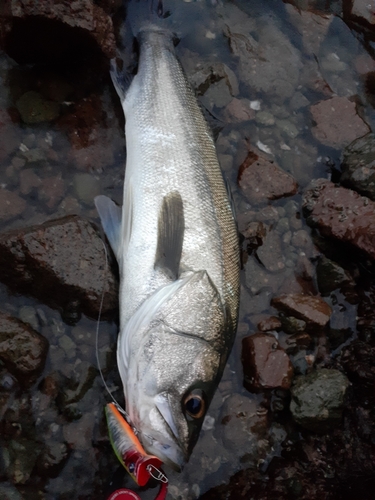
<point x="287" y="87"/>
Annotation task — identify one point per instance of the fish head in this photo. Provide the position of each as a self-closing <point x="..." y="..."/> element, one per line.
<point x="175" y="371"/>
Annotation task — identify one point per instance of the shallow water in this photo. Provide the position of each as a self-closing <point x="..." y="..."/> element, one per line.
<point x="300" y="59"/>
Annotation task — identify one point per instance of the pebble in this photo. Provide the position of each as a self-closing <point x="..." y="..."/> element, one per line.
<point x="265" y="364"/>
<point x="337" y="122"/>
<point x="318" y="399"/>
<point x="342" y="214"/>
<point x="311" y="309"/>
<point x="262" y="179"/>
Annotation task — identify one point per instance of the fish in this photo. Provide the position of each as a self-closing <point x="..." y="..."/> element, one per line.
<point x="176" y="243"/>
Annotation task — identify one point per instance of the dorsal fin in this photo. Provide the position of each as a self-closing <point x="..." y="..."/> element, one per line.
<point x="171" y="228"/>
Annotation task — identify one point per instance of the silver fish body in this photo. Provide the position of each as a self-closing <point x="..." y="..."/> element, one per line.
<point x="176" y="244"/>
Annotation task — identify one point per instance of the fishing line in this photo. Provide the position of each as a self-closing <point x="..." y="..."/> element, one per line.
<point x="118" y="406"/>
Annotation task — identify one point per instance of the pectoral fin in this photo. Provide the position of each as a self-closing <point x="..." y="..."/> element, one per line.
<point x="110" y="217"/>
<point x="171" y="228"/>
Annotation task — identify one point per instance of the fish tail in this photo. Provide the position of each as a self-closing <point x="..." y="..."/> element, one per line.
<point x="153" y="15"/>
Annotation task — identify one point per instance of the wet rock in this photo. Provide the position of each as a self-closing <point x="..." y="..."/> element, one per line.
<point x="270" y="253"/>
<point x="269" y="64"/>
<point x="261" y="179"/>
<point x="364" y="11"/>
<point x="9" y="492"/>
<point x="34" y="108"/>
<point x="311" y="309"/>
<point x="11" y="205"/>
<point x="54" y="262"/>
<point x="86" y="187"/>
<point x="203" y="76"/>
<point x="254" y="233"/>
<point x="341" y="214"/>
<point x="337" y="122"/>
<point x="265" y="363"/>
<point x="82" y="25"/>
<point x="358" y="362"/>
<point x="217" y="95"/>
<point x="52" y="459"/>
<point x="358" y="166"/>
<point x="22" y="349"/>
<point x="292" y="325"/>
<point x="51" y="191"/>
<point x="80" y="382"/>
<point x="269" y="324"/>
<point x="331" y="276"/>
<point x="257" y="278"/>
<point x="29" y="181"/>
<point x="244" y="421"/>
<point x="79" y="434"/>
<point x="23" y="454"/>
<point x="312" y="26"/>
<point x="238" y="110"/>
<point x="9" y="136"/>
<point x="318" y="399"/>
<point x="297" y="341"/>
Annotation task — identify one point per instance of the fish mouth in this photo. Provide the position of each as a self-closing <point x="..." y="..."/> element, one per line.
<point x="170" y="449"/>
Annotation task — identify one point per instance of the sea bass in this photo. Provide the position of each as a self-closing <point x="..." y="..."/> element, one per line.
<point x="176" y="244"/>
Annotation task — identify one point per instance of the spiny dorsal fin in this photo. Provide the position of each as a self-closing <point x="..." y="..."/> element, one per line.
<point x="171" y="227"/>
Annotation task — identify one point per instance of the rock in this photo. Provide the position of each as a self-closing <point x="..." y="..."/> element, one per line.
<point x="34" y="109"/>
<point x="244" y="421"/>
<point x="265" y="363"/>
<point x="292" y="325"/>
<point x="313" y="27"/>
<point x="331" y="276"/>
<point x="311" y="309"/>
<point x="52" y="190"/>
<point x="52" y="459"/>
<point x="341" y="214"/>
<point x="206" y="74"/>
<point x="358" y="362"/>
<point x="22" y="349"/>
<point x="269" y="324"/>
<point x="358" y="166"/>
<point x="337" y="122"/>
<point x="9" y="492"/>
<point x="364" y="11"/>
<point x="217" y="95"/>
<point x="238" y="110"/>
<point x="23" y="454"/>
<point x="82" y="25"/>
<point x="29" y="181"/>
<point x="10" y="139"/>
<point x="318" y="399"/>
<point x="254" y="233"/>
<point x="86" y="187"/>
<point x="270" y="253"/>
<point x="261" y="179"/>
<point x="11" y="205"/>
<point x="297" y="342"/>
<point x="79" y="434"/>
<point x="80" y="382"/>
<point x="55" y="261"/>
<point x="270" y="64"/>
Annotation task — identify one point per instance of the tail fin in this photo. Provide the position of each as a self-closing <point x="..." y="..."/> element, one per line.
<point x="168" y="16"/>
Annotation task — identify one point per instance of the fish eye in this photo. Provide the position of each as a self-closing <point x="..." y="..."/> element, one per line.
<point x="194" y="404"/>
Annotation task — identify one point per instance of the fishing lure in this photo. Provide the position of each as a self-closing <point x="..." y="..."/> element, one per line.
<point x="129" y="450"/>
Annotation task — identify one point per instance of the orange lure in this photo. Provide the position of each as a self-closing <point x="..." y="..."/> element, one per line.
<point x="129" y="450"/>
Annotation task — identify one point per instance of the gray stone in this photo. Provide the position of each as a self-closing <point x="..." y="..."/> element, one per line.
<point x="318" y="399"/>
<point x="358" y="166"/>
